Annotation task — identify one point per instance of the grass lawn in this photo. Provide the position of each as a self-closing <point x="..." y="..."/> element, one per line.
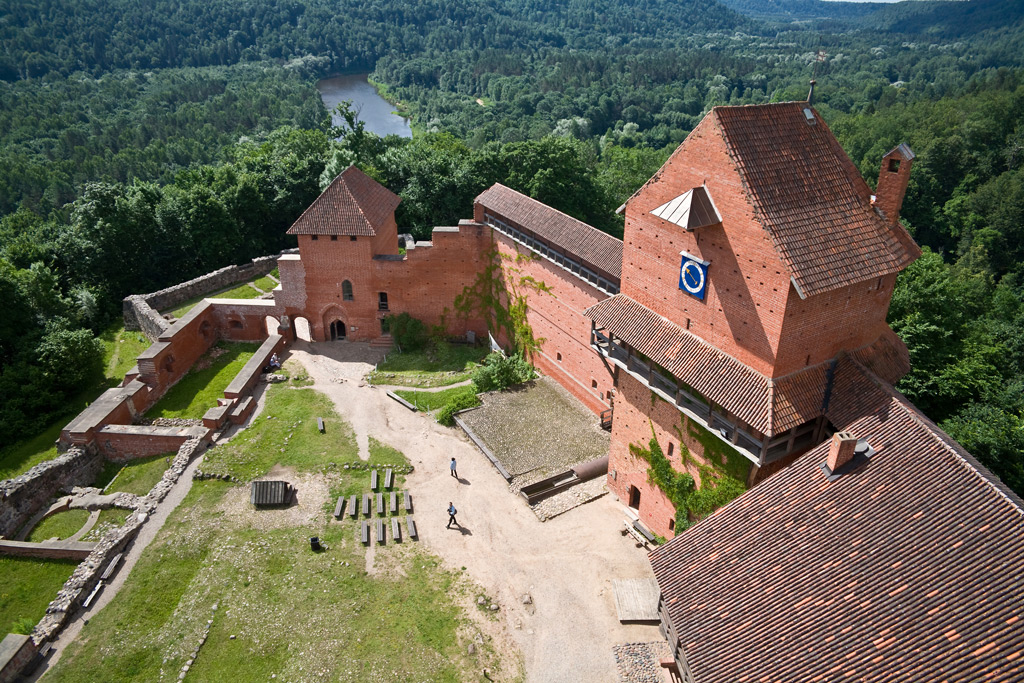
<point x="60" y="525"/>
<point x="242" y="291"/>
<point x="140" y="476"/>
<point x="120" y="349"/>
<point x="286" y="433"/>
<point x="265" y="283"/>
<point x="199" y="390"/>
<point x="278" y="609"/>
<point x="432" y="400"/>
<point x="108" y="519"/>
<point x="27" y="586"/>
<point x="447" y="364"/>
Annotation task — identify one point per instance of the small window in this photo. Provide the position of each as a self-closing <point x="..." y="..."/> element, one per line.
<point x="559" y="356"/>
<point x="593" y="384"/>
<point x="334" y="238"/>
<point x="807" y="361"/>
<point x="687" y="323"/>
<point x="671" y="449"/>
<point x="382" y="301"/>
<point x="671" y="525"/>
<point x="315" y="237"/>
<point x="346" y="290"/>
<point x="352" y="238"/>
<point x="894" y="165"/>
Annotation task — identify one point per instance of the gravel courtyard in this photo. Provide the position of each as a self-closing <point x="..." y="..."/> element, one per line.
<point x="537" y="430"/>
<point x="566" y="565"/>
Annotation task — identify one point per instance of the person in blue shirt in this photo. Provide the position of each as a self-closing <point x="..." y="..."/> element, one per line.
<point x="451" y="516"/>
<point x="455" y="473"/>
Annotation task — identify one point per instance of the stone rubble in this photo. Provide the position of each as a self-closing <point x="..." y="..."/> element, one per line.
<point x="639" y="662"/>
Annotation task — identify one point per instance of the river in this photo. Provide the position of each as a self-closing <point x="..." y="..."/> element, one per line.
<point x="374" y="110"/>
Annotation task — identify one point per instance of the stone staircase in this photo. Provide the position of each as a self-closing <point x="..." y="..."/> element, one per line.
<point x="382" y="342"/>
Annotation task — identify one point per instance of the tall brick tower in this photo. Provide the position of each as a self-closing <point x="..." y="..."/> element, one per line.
<point x="751" y="261"/>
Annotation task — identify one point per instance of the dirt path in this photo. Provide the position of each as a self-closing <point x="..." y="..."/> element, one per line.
<point x="432" y="390"/>
<point x="146" y="534"/>
<point x="566" y="565"/>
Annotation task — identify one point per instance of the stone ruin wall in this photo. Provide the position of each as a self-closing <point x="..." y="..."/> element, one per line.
<point x="25" y="495"/>
<point x="87" y="573"/>
<point x="141" y="310"/>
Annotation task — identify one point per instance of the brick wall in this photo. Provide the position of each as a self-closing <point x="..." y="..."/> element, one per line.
<point x="122" y="443"/>
<point x="636" y="412"/>
<point x="556" y="317"/>
<point x="17" y="652"/>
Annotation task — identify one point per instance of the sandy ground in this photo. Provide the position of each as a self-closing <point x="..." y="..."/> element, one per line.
<point x="566" y="564"/>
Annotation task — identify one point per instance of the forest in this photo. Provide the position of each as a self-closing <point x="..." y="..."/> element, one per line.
<point x="144" y="144"/>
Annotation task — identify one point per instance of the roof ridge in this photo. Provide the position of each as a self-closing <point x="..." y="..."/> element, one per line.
<point x="948" y="443"/>
<point x="551" y="208"/>
<point x="355" y="200"/>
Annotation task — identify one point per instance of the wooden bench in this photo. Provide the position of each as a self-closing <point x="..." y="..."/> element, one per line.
<point x="320" y="424"/>
<point x="380" y="504"/>
<point x="411" y="523"/>
<point x="639" y="533"/>
<point x="45" y="649"/>
<point x="408" y="501"/>
<point x="339" y="507"/>
<point x="373" y="479"/>
<point x="389" y="478"/>
<point x="365" y="532"/>
<point x="381" y="538"/>
<point x="366" y="503"/>
<point x="396" y="530"/>
<point x="352" y="506"/>
<point x="394" y="503"/>
<point x="92" y="596"/>
<point x="109" y="571"/>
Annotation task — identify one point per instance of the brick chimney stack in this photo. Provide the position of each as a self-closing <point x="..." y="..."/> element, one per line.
<point x="892" y="182"/>
<point x="841" y="450"/>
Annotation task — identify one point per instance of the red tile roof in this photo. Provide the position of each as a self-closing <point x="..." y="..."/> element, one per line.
<point x="906" y="568"/>
<point x="810" y="198"/>
<point x="353" y="204"/>
<point x="769" y="405"/>
<point x="584" y="242"/>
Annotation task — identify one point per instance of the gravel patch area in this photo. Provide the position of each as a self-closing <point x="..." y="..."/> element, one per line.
<point x="638" y="662"/>
<point x="537" y="430"/>
<point x="564" y="501"/>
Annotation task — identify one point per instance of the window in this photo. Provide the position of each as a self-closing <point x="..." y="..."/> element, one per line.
<point x="593" y="384"/>
<point x="559" y="356"/>
<point x="382" y="301"/>
<point x="346" y="290"/>
<point x="352" y="238"/>
<point x="315" y="237"/>
<point x="334" y="238"/>
<point x="671" y="449"/>
<point x="671" y="525"/>
<point x="894" y="165"/>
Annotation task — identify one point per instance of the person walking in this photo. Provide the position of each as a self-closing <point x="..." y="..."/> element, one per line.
<point x="451" y="516"/>
<point x="455" y="472"/>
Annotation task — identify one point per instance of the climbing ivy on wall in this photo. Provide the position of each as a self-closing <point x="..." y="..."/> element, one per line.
<point x="719" y="484"/>
<point x="499" y="295"/>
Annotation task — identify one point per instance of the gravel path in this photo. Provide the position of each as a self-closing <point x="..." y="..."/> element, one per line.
<point x="565" y="565"/>
<point x="146" y="534"/>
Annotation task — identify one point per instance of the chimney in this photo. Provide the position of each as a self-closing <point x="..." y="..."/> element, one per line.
<point x="892" y="182"/>
<point x="841" y="450"/>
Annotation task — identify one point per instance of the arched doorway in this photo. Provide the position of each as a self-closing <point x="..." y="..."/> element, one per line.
<point x="337" y="330"/>
<point x="302" y="330"/>
<point x="273" y="324"/>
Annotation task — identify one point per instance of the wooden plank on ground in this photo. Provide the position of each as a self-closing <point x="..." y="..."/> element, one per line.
<point x="389" y="478"/>
<point x="109" y="571"/>
<point x="408" y="501"/>
<point x="365" y="532"/>
<point x="353" y="507"/>
<point x="396" y="530"/>
<point x="373" y="479"/>
<point x="320" y="424"/>
<point x="411" y="523"/>
<point x="92" y="596"/>
<point x="366" y="503"/>
<point x="380" y="504"/>
<point x="394" y="503"/>
<point x="339" y="507"/>
<point x="636" y="600"/>
<point x="381" y="538"/>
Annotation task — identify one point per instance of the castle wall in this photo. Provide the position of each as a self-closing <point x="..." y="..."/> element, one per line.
<point x="29" y="493"/>
<point x="748" y="286"/>
<point x="556" y="317"/>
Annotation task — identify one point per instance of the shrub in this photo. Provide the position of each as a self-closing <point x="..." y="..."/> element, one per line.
<point x="446" y="415"/>
<point x="24" y="626"/>
<point x="499" y="372"/>
<point x="409" y="333"/>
